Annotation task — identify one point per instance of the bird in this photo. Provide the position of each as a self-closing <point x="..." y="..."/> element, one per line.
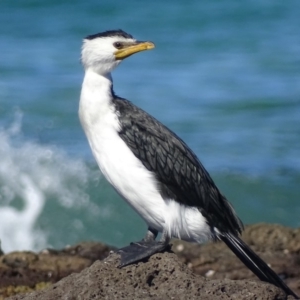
<point x="151" y="167"/>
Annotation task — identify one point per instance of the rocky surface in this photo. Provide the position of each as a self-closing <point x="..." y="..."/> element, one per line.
<point x="279" y="246"/>
<point x="164" y="276"/>
<point x="27" y="271"/>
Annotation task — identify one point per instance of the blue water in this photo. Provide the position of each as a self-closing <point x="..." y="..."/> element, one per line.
<point x="224" y="75"/>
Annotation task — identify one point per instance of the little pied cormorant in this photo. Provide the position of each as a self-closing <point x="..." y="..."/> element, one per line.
<point x="150" y="166"/>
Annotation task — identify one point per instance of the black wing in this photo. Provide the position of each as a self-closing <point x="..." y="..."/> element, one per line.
<point x="180" y="174"/>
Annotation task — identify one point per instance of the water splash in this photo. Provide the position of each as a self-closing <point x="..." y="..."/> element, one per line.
<point x="31" y="175"/>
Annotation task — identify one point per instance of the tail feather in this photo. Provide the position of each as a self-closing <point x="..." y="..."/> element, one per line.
<point x="254" y="262"/>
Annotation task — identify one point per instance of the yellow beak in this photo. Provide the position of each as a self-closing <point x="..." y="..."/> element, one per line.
<point x="138" y="47"/>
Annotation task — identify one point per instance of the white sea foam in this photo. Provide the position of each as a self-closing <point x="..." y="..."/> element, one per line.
<point x="30" y="175"/>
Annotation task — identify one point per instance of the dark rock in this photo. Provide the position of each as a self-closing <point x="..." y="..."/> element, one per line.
<point x="279" y="246"/>
<point x="30" y="270"/>
<point x="162" y="277"/>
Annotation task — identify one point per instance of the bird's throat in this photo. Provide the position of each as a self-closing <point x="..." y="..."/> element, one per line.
<point x="95" y="99"/>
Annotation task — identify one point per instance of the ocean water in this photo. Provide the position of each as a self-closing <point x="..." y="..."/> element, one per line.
<point x="224" y="75"/>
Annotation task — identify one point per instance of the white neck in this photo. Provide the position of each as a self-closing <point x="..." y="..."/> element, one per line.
<point x="95" y="98"/>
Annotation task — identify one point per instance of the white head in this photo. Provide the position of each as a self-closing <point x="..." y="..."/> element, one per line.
<point x="102" y="52"/>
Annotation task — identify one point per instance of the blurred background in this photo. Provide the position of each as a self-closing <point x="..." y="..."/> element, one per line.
<point x="225" y="76"/>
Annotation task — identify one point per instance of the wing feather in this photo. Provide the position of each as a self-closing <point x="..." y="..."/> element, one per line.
<point x="178" y="171"/>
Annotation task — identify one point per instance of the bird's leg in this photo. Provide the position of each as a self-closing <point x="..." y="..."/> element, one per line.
<point x="138" y="251"/>
<point x="150" y="236"/>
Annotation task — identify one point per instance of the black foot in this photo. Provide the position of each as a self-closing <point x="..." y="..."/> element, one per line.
<point x="136" y="252"/>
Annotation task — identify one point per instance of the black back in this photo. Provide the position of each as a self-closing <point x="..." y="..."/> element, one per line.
<point x="178" y="171"/>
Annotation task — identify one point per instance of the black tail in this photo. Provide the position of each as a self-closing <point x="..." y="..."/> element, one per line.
<point x="254" y="262"/>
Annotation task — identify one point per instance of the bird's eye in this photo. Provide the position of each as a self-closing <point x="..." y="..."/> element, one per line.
<point x="118" y="45"/>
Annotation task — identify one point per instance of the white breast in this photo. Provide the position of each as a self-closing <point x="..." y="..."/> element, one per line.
<point x="125" y="172"/>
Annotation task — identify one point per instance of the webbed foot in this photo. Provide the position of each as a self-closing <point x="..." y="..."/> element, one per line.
<point x="139" y="251"/>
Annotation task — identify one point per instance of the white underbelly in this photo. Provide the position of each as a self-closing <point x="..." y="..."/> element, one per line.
<point x="129" y="177"/>
<point x="139" y="188"/>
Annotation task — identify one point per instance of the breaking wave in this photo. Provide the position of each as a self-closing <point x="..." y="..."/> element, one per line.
<point x="31" y="175"/>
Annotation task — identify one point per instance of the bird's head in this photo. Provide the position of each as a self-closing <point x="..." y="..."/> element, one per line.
<point x="102" y="52"/>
